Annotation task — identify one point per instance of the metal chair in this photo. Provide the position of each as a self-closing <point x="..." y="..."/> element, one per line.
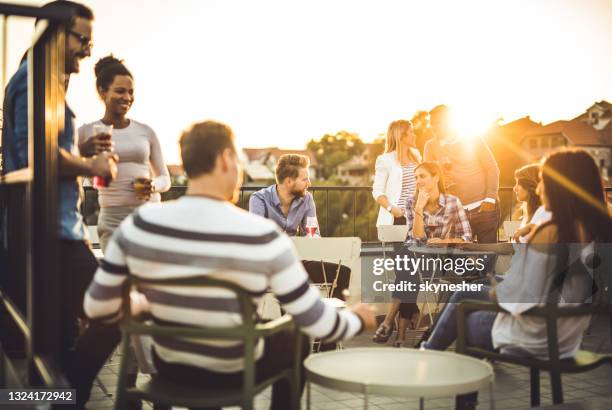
<point x="163" y="392"/>
<point x="582" y="362"/>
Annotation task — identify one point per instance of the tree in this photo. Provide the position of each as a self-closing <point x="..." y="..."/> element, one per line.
<point x="332" y="150"/>
<point x="377" y="147"/>
<point x="420" y="124"/>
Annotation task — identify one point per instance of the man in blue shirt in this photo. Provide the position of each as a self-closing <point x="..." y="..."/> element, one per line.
<point x="288" y="202"/>
<point x="82" y="360"/>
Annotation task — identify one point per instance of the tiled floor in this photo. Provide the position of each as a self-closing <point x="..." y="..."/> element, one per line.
<point x="511" y="385"/>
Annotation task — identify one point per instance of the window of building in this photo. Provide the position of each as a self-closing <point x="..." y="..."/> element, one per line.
<point x="533" y="143"/>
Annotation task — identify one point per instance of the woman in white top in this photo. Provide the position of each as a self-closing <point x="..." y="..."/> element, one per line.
<point x="394" y="180"/>
<point x="533" y="213"/>
<point x="557" y="265"/>
<point x="394" y="183"/>
<point x="135" y="144"/>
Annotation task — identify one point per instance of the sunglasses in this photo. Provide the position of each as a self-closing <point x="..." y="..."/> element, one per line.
<point x="84" y="40"/>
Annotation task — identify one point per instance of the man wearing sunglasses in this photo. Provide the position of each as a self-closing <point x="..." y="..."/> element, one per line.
<point x="81" y="358"/>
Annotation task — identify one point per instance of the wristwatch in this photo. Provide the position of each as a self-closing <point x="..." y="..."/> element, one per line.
<point x="389" y="208"/>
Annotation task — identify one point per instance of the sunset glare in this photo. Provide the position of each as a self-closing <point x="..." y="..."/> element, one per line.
<point x="281" y="73"/>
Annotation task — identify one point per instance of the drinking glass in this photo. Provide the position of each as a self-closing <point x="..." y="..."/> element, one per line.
<point x="101" y="128"/>
<point x="139" y="185"/>
<point x="311" y="226"/>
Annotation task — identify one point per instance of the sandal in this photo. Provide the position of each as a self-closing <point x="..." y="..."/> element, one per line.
<point x="398" y="343"/>
<point x="383" y="333"/>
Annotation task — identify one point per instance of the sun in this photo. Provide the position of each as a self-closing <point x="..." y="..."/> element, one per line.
<point x="471" y="123"/>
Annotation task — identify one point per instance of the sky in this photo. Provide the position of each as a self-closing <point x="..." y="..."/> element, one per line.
<point x="281" y="72"/>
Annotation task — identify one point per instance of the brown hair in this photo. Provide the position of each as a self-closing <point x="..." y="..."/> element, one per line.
<point x="528" y="177"/>
<point x="289" y="166"/>
<point x="575" y="192"/>
<point x="201" y="145"/>
<point x="394" y="142"/>
<point x="434" y="170"/>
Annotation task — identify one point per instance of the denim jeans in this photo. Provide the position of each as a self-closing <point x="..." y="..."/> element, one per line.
<point x="478" y="333"/>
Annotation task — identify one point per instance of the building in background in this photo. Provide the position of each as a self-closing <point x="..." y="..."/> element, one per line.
<point x="504" y="141"/>
<point x="260" y="163"/>
<point x="359" y="170"/>
<point x="591" y="131"/>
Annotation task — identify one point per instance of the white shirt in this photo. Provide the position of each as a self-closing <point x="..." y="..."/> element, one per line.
<point x="526" y="285"/>
<point x="140" y="155"/>
<point x="540" y="216"/>
<point x="388" y="182"/>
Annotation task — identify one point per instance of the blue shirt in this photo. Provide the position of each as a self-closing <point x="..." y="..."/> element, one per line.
<point x="266" y="203"/>
<point x="15" y="152"/>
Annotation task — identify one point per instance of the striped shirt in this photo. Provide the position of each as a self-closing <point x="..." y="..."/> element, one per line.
<point x="195" y="236"/>
<point x="408" y="184"/>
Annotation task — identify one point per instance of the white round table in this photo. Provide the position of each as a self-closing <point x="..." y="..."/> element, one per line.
<point x="398" y="372"/>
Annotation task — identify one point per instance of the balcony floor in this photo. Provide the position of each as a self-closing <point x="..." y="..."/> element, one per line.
<point x="590" y="390"/>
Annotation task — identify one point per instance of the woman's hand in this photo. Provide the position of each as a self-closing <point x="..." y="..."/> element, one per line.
<point x="421" y="201"/>
<point x="525" y="230"/>
<point x="143" y="188"/>
<point x="397" y="212"/>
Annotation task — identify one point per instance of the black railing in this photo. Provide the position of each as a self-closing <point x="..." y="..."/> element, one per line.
<point x="341" y="210"/>
<point x="30" y="293"/>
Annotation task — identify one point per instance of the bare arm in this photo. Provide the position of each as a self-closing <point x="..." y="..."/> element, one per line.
<point x="71" y="166"/>
<point x="418" y="224"/>
<point x="491" y="170"/>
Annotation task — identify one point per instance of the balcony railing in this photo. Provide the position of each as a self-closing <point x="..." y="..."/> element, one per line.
<point x="29" y="289"/>
<point x="341" y="210"/>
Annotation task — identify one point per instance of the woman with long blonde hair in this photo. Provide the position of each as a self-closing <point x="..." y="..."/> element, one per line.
<point x="394" y="184"/>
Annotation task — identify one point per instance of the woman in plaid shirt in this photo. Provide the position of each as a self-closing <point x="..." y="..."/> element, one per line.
<point x="435" y="216"/>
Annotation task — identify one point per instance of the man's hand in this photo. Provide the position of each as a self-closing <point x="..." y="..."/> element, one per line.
<point x="421" y="201"/>
<point x="96" y="145"/>
<point x="366" y="313"/>
<point x="104" y="165"/>
<point x="397" y="212"/>
<point x="486" y="207"/>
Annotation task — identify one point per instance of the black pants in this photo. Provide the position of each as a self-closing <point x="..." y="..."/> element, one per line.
<point x="406" y="309"/>
<point x="484" y="224"/>
<point x="278" y="355"/>
<point x="82" y="356"/>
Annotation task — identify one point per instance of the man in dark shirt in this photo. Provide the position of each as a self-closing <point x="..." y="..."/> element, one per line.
<point x="470" y="172"/>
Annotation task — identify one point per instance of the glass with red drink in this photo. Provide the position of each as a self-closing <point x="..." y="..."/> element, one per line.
<point x="107" y="130"/>
<point x="311" y="226"/>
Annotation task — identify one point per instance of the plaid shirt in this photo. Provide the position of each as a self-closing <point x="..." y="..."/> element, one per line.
<point x="448" y="221"/>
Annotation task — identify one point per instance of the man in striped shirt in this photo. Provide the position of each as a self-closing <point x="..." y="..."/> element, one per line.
<point x="202" y="233"/>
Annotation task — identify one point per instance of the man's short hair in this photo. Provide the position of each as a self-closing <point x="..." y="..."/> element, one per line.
<point x="78" y="9"/>
<point x="439" y="110"/>
<point x="289" y="166"/>
<point x="201" y="145"/>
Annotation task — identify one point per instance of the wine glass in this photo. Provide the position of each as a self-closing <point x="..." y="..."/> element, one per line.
<point x="101" y="128"/>
<point x="311" y="226"/>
